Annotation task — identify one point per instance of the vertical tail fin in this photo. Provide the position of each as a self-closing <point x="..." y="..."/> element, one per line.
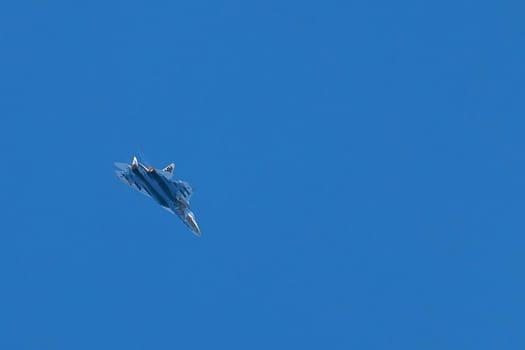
<point x="168" y="171"/>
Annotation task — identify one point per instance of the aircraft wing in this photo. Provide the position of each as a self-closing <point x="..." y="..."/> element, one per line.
<point x="131" y="184"/>
<point x="122" y="166"/>
<point x="142" y="190"/>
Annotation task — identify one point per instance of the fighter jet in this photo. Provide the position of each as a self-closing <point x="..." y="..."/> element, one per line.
<point x="172" y="195"/>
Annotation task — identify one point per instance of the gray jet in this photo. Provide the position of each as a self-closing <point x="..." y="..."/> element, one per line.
<point x="172" y="195"/>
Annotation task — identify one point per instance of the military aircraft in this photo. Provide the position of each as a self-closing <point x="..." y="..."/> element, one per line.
<point x="172" y="195"/>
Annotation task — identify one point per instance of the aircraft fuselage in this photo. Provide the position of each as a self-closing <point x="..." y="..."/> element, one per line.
<point x="172" y="195"/>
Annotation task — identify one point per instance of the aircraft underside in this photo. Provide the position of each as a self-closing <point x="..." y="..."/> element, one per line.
<point x="172" y="195"/>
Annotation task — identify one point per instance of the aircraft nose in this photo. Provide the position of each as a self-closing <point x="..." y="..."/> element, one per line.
<point x="193" y="223"/>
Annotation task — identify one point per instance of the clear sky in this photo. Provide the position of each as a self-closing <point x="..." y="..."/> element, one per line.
<point x="358" y="169"/>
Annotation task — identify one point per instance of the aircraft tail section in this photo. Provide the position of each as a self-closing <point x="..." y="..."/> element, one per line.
<point x="168" y="170"/>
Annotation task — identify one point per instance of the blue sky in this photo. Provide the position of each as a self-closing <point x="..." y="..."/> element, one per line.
<point x="358" y="171"/>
